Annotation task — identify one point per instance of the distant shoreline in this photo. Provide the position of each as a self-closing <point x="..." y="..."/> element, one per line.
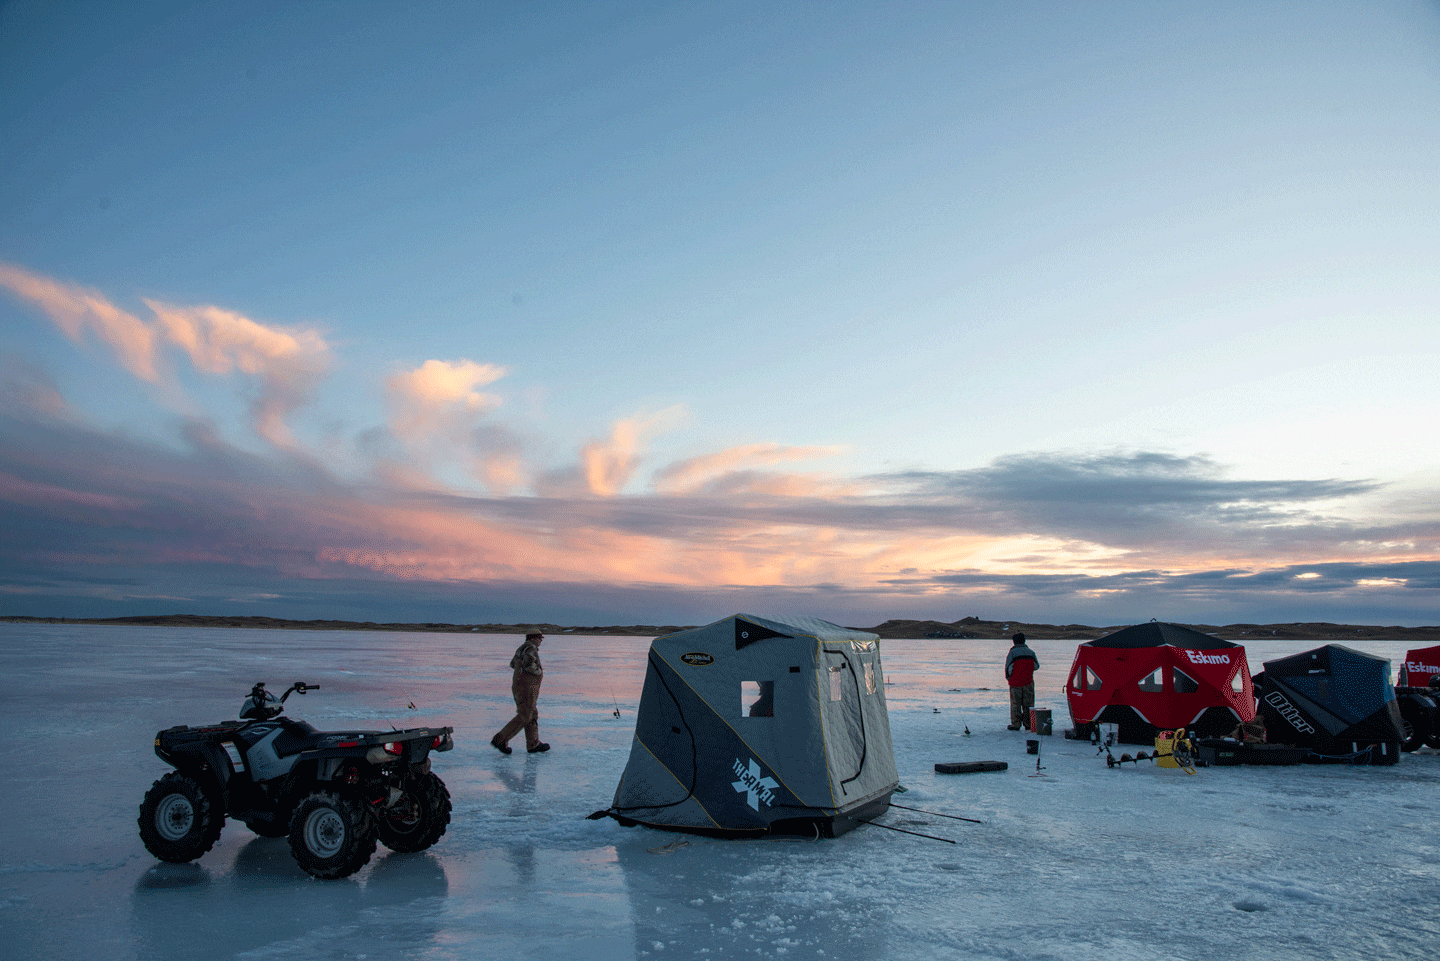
<point x="968" y="628"/>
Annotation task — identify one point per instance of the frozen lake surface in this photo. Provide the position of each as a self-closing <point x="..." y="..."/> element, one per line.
<point x="1081" y="862"/>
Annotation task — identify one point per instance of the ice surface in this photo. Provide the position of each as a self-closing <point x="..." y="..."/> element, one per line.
<point x="1084" y="862"/>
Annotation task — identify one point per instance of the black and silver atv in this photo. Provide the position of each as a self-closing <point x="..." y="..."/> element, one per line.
<point x="332" y="794"/>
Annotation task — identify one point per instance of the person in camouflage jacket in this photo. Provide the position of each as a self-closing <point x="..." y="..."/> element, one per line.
<point x="525" y="686"/>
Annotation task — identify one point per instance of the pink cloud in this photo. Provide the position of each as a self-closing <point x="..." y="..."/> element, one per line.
<point x="689" y="475"/>
<point x="286" y="363"/>
<point x="734" y="517"/>
<point x="418" y="542"/>
<point x="76" y="311"/>
<point x="436" y="394"/>
<point x="219" y="341"/>
<point x="606" y="466"/>
<point x="34" y="494"/>
<point x="435" y="413"/>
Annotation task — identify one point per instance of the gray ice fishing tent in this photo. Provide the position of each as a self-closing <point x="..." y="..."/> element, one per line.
<point x="760" y="725"/>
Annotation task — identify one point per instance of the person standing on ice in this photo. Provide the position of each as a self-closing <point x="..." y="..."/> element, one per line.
<point x="525" y="686"/>
<point x="1020" y="665"/>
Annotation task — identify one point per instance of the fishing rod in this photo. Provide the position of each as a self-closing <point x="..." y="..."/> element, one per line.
<point x="877" y="824"/>
<point x="935" y="813"/>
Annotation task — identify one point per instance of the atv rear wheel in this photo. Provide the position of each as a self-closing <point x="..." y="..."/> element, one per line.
<point x="179" y="819"/>
<point x="331" y="835"/>
<point x="419" y="818"/>
<point x="1417" y="715"/>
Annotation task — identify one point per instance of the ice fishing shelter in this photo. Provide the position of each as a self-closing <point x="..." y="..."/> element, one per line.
<point x="1159" y="677"/>
<point x="1420" y="666"/>
<point x="760" y="725"/>
<point x="1418" y="691"/>
<point x="1336" y="701"/>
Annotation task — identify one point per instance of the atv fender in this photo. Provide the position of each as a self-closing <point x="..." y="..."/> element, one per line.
<point x="207" y="763"/>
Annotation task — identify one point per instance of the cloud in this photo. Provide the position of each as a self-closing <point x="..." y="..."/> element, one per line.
<point x="721" y="470"/>
<point x="109" y="517"/>
<point x="498" y="458"/>
<point x="1137" y="504"/>
<point x="27" y="392"/>
<point x="434" y="419"/>
<point x="285" y="363"/>
<point x="77" y="311"/>
<point x="607" y="465"/>
<point x="432" y="396"/>
<point x="106" y="513"/>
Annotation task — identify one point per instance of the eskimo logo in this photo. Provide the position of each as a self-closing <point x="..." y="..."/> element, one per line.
<point x="1416" y="667"/>
<point x="1197" y="658"/>
<point x="752" y="784"/>
<point x="1289" y="712"/>
<point x="697" y="659"/>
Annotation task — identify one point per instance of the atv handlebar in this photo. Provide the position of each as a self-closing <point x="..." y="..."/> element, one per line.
<point x="299" y="687"/>
<point x="261" y="695"/>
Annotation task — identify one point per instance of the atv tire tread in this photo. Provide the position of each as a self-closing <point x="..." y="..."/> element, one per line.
<point x="332" y="835"/>
<point x="179" y="818"/>
<point x="419" y="819"/>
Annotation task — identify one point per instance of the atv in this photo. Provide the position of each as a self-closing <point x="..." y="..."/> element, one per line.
<point x="332" y="794"/>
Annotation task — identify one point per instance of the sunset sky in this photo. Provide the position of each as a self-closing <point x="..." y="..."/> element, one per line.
<point x="602" y="313"/>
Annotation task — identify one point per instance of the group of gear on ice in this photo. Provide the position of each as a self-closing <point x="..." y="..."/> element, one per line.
<point x="336" y="795"/>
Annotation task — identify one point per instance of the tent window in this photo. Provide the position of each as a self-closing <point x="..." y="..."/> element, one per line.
<point x="869" y="678"/>
<point x="1153" y="681"/>
<point x="837" y="683"/>
<point x="1092" y="681"/>
<point x="1237" y="683"/>
<point x="1184" y="683"/>
<point x="1084" y="679"/>
<point x="757" y="698"/>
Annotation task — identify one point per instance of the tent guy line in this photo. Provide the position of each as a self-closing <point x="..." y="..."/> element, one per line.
<point x="936" y="813"/>
<point x="877" y="824"/>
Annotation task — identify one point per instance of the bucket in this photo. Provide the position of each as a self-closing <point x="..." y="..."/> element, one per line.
<point x="1040" y="721"/>
<point x="1032" y="747"/>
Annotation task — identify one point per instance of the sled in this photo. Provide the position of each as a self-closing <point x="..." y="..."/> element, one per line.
<point x="969" y="767"/>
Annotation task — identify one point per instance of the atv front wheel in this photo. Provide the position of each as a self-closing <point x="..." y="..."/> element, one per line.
<point x="331" y="836"/>
<point x="179" y="820"/>
<point x="419" y="818"/>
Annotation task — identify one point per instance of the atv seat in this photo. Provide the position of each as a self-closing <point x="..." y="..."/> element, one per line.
<point x="296" y="736"/>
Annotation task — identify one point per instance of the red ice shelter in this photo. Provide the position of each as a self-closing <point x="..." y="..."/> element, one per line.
<point x="1419" y="667"/>
<point x="1158" y="677"/>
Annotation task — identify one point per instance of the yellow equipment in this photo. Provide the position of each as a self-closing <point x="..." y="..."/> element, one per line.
<point x="1174" y="749"/>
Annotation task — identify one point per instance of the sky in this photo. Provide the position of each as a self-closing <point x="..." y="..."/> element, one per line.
<point x="621" y="313"/>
